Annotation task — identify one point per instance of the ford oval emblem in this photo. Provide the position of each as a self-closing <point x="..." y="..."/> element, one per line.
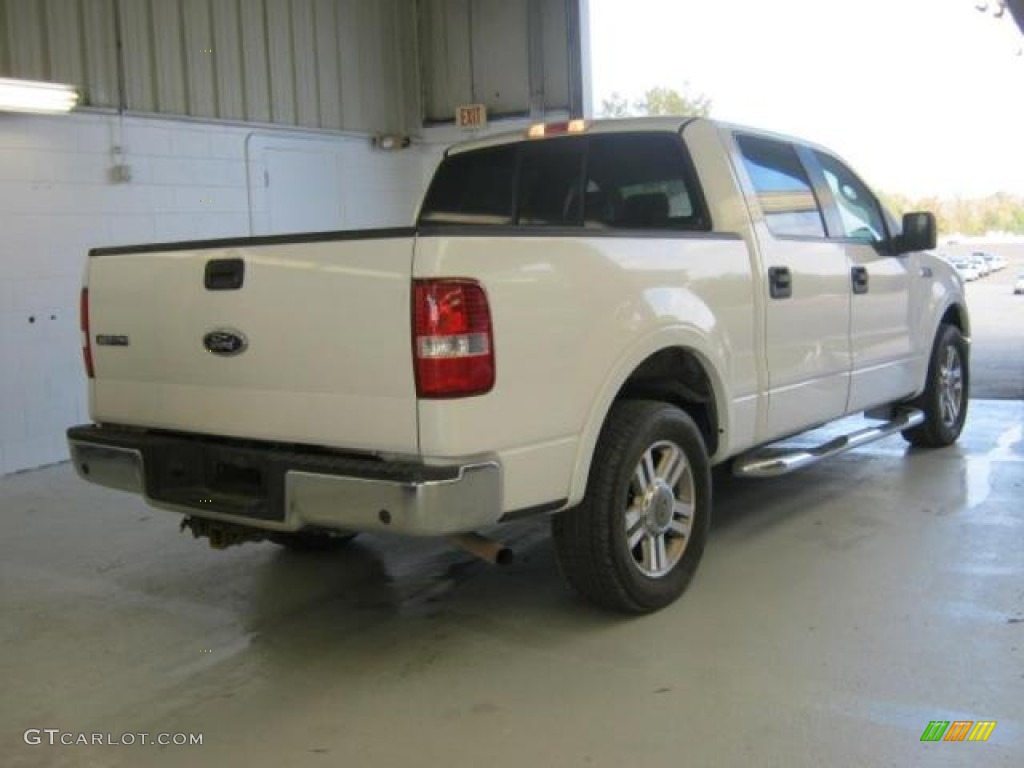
<point x="225" y="342"/>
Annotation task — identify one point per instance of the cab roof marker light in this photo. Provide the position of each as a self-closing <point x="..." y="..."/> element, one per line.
<point x="540" y="130"/>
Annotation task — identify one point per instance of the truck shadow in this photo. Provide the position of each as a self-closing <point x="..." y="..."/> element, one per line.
<point x="379" y="576"/>
<point x="393" y="588"/>
<point x="385" y="578"/>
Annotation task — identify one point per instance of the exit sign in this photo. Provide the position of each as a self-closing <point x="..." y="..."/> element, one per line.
<point x="471" y="116"/>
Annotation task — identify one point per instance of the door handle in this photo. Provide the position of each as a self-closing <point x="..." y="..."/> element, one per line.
<point x="224" y="274"/>
<point x="859" y="278"/>
<point x="780" y="282"/>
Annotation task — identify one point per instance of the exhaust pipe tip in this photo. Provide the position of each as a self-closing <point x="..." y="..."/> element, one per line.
<point x="504" y="556"/>
<point x="486" y="549"/>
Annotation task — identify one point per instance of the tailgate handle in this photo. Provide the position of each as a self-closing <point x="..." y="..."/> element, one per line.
<point x="224" y="274"/>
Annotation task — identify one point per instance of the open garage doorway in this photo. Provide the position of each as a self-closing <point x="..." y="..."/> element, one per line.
<point x="878" y="82"/>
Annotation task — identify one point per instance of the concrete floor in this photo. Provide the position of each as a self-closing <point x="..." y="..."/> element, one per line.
<point x="836" y="613"/>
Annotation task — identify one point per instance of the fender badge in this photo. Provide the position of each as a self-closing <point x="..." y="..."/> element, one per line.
<point x="107" y="340"/>
<point x="225" y="342"/>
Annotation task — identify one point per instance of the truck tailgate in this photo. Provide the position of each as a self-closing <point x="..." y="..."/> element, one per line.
<point x="325" y="327"/>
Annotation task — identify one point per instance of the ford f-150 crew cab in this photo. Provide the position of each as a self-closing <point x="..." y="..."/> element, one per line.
<point x="584" y="319"/>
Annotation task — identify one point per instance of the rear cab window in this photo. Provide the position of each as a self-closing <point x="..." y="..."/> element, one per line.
<point x="642" y="181"/>
<point x="549" y="182"/>
<point x="610" y="181"/>
<point x="473" y="188"/>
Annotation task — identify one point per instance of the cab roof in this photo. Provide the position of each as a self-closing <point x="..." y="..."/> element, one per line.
<point x="625" y="125"/>
<point x="671" y="124"/>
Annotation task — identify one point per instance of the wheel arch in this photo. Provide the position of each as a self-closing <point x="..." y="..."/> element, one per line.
<point x="678" y="371"/>
<point x="956" y="315"/>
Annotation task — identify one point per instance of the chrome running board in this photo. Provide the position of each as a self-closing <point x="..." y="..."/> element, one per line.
<point x="774" y="461"/>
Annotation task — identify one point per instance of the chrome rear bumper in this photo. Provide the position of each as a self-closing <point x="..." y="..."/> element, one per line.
<point x="315" y="491"/>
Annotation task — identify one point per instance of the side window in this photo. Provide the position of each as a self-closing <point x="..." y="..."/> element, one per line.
<point x="640" y="181"/>
<point x="549" y="183"/>
<point x="473" y="188"/>
<point x="782" y="186"/>
<point x="859" y="212"/>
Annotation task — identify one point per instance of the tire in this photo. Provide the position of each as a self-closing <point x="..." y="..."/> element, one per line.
<point x="944" y="400"/>
<point x="311" y="541"/>
<point x="649" y="487"/>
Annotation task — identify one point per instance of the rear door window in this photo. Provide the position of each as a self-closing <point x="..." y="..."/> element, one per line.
<point x="782" y="186"/>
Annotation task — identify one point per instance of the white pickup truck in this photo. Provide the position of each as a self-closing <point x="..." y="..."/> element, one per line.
<point x="585" y="318"/>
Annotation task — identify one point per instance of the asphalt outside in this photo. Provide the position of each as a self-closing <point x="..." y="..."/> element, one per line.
<point x="997" y="326"/>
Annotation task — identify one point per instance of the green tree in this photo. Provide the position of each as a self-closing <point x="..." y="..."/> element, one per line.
<point x="667" y="101"/>
<point x="1000" y="212"/>
<point x="615" y="106"/>
<point x="657" y="101"/>
<point x="898" y="204"/>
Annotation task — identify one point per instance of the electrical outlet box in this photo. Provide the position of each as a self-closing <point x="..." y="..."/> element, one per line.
<point x="120" y="173"/>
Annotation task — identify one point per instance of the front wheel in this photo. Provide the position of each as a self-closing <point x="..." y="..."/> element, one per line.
<point x="634" y="542"/>
<point x="944" y="400"/>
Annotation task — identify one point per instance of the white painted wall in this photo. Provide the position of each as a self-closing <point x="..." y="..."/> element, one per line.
<point x="190" y="180"/>
<point x="303" y="183"/>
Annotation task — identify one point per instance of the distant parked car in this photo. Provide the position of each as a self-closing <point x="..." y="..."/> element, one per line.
<point x="967" y="270"/>
<point x="1018" y="287"/>
<point x="995" y="261"/>
<point x="979" y="263"/>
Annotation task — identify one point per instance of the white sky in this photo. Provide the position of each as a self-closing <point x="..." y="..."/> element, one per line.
<point x="921" y="96"/>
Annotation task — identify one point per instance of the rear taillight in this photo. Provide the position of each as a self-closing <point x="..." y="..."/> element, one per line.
<point x="83" y="307"/>
<point x="453" y="347"/>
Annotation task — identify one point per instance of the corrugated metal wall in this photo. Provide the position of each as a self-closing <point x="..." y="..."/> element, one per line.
<point x="512" y="55"/>
<point x="68" y="41"/>
<point x="336" y="64"/>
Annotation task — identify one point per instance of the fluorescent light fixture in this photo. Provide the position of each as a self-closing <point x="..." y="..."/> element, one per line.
<point x="35" y="96"/>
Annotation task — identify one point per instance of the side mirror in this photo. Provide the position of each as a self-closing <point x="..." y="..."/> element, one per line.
<point x="918" y="233"/>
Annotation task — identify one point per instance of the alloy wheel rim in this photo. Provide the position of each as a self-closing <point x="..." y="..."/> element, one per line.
<point x="951" y="386"/>
<point x="660" y="507"/>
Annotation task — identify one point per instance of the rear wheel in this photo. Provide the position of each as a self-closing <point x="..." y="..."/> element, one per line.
<point x="634" y="542"/>
<point x="311" y="541"/>
<point x="944" y="400"/>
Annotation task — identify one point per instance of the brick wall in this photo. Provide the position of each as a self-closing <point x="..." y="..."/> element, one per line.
<point x="189" y="180"/>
